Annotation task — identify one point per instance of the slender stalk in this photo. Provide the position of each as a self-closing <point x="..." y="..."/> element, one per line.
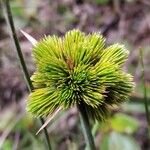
<point x="145" y="92"/>
<point x="10" y="22"/>
<point x="86" y="128"/>
<point x="46" y="134"/>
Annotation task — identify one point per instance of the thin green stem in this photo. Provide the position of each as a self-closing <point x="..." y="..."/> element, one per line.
<point x="86" y="128"/>
<point x="46" y="134"/>
<point x="10" y="22"/>
<point x="145" y="91"/>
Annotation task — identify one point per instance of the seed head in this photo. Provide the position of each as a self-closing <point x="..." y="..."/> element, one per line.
<point x="78" y="69"/>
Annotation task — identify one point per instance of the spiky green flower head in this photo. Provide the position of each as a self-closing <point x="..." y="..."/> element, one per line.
<point x="78" y="69"/>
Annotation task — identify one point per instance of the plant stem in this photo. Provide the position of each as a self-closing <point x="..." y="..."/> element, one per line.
<point x="86" y="127"/>
<point x="10" y="22"/>
<point x="145" y="92"/>
<point x="46" y="134"/>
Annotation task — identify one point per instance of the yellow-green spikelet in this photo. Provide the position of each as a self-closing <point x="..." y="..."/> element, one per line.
<point x="78" y="69"/>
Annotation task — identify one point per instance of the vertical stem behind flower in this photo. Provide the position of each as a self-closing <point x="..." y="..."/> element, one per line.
<point x="145" y="91"/>
<point x="10" y="22"/>
<point x="86" y="127"/>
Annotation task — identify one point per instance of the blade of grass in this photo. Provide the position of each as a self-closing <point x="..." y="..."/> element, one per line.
<point x="30" y="38"/>
<point x="10" y="22"/>
<point x="145" y="91"/>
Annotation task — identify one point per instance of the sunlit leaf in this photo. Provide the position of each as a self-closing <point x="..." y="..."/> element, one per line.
<point x="124" y="123"/>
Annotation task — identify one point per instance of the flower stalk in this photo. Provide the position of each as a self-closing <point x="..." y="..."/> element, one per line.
<point x="10" y="22"/>
<point x="86" y="128"/>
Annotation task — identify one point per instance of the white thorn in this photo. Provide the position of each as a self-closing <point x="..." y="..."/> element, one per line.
<point x="49" y="118"/>
<point x="30" y="38"/>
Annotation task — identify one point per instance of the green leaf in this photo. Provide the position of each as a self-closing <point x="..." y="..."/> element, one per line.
<point x="102" y="2"/>
<point x="117" y="141"/>
<point x="124" y="123"/>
